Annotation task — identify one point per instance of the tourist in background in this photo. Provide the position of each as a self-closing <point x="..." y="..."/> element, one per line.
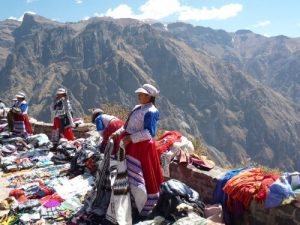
<point x="63" y="118"/>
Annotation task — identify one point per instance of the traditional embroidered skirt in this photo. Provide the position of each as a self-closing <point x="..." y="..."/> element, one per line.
<point x="112" y="126"/>
<point x="60" y="131"/>
<point x="22" y="124"/>
<point x="144" y="174"/>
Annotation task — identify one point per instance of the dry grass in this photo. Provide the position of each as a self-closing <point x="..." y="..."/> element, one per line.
<point x="269" y="170"/>
<point x="159" y="133"/>
<point x="200" y="148"/>
<point x="266" y="170"/>
<point x="116" y="110"/>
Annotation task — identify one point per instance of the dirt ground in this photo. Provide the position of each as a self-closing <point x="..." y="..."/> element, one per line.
<point x="4" y="191"/>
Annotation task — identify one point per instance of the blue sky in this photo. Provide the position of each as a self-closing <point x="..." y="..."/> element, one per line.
<point x="266" y="17"/>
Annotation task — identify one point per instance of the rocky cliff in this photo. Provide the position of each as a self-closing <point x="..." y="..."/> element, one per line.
<point x="236" y="91"/>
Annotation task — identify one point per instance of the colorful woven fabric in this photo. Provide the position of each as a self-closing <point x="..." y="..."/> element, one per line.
<point x="264" y="187"/>
<point x="167" y="140"/>
<point x="244" y="186"/>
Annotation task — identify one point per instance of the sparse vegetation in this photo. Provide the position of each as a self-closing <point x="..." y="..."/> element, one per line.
<point x="200" y="148"/>
<point x="266" y="169"/>
<point x="116" y="110"/>
<point x="160" y="132"/>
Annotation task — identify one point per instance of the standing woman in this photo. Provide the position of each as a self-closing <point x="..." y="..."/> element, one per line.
<point x="20" y="118"/>
<point x="63" y="120"/>
<point x="143" y="163"/>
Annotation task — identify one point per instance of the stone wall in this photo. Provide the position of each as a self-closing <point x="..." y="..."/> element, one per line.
<point x="204" y="182"/>
<point x="82" y="131"/>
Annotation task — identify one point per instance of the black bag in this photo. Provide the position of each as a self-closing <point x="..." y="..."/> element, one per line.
<point x="173" y="195"/>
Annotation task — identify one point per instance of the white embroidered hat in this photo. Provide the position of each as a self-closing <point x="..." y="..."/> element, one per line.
<point x="61" y="91"/>
<point x="148" y="89"/>
<point x="20" y="94"/>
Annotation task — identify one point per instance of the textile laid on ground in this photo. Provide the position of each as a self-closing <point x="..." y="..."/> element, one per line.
<point x="172" y="146"/>
<point x="281" y="192"/>
<point x="167" y="140"/>
<point x="264" y="187"/>
<point x="41" y="192"/>
<point x="38" y="140"/>
<point x="219" y="196"/>
<point x="194" y="220"/>
<point x="86" y="158"/>
<point x="244" y="186"/>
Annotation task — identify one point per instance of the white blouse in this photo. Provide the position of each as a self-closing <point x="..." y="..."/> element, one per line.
<point x="142" y="122"/>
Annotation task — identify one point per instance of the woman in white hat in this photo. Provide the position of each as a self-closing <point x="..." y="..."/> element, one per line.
<point x="106" y="125"/>
<point x="143" y="163"/>
<point x="20" y="117"/>
<point x="63" y="120"/>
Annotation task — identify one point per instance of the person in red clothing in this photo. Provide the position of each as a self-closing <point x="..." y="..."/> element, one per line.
<point x="21" y="124"/>
<point x="63" y="119"/>
<point x="106" y="125"/>
<point x="143" y="163"/>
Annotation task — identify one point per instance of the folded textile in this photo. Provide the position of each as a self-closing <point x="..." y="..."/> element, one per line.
<point x="203" y="163"/>
<point x="49" y="213"/>
<point x="26" y="218"/>
<point x="29" y="204"/>
<point x="278" y="192"/>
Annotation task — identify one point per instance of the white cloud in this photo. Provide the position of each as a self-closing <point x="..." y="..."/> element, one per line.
<point x="267" y="35"/>
<point x="86" y="18"/>
<point x="57" y="19"/>
<point x="262" y="24"/>
<point x="12" y="18"/>
<point x="78" y="1"/>
<point x="225" y="12"/>
<point x="30" y="1"/>
<point x="298" y="24"/>
<point x="157" y="9"/>
<point x="21" y="17"/>
<point x="121" y="11"/>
